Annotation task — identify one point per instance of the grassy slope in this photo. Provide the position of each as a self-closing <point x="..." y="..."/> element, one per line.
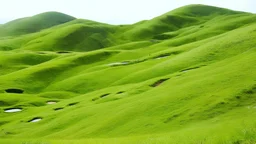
<point x="76" y="35"/>
<point x="34" y="23"/>
<point x="209" y="97"/>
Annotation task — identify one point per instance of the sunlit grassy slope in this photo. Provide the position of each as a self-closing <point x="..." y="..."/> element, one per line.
<point x="188" y="76"/>
<point x="33" y="24"/>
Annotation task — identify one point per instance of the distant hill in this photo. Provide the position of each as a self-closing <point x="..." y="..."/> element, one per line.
<point x="56" y="31"/>
<point x="202" y="10"/>
<point x="34" y="23"/>
<point x="73" y="37"/>
<point x="176" y="19"/>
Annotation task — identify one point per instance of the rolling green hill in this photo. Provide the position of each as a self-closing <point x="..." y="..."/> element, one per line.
<point x="188" y="76"/>
<point x="34" y="23"/>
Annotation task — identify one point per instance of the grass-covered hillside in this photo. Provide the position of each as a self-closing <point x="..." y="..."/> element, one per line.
<point x="34" y="23"/>
<point x="188" y="76"/>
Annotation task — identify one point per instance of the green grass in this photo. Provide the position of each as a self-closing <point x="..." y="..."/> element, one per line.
<point x="34" y="24"/>
<point x="208" y="55"/>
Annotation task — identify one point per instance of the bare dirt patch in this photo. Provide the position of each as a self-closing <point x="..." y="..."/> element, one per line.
<point x="157" y="83"/>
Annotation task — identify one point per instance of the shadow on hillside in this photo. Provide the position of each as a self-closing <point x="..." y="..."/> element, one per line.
<point x="14" y="90"/>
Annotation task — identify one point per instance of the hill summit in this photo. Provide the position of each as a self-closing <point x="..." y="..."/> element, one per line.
<point x="34" y="23"/>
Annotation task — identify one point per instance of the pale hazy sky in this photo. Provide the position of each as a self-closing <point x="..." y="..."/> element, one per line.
<point x="110" y="11"/>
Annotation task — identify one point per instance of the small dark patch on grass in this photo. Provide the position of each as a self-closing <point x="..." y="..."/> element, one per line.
<point x="35" y="119"/>
<point x="148" y="125"/>
<point x="161" y="56"/>
<point x="238" y="142"/>
<point x="166" y="54"/>
<point x="248" y="91"/>
<point x="3" y="103"/>
<point x="188" y="69"/>
<point x="57" y="109"/>
<point x="178" y="75"/>
<point x="37" y="104"/>
<point x="171" y="118"/>
<point x="238" y="97"/>
<point x="41" y="52"/>
<point x="157" y="83"/>
<point x="94" y="99"/>
<point x="6" y="48"/>
<point x="222" y="103"/>
<point x="120" y="92"/>
<point x="14" y="90"/>
<point x="191" y="115"/>
<point x="104" y="95"/>
<point x="3" y="122"/>
<point x="165" y="36"/>
<point x="63" y="52"/>
<point x="6" y="132"/>
<point x="72" y="104"/>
